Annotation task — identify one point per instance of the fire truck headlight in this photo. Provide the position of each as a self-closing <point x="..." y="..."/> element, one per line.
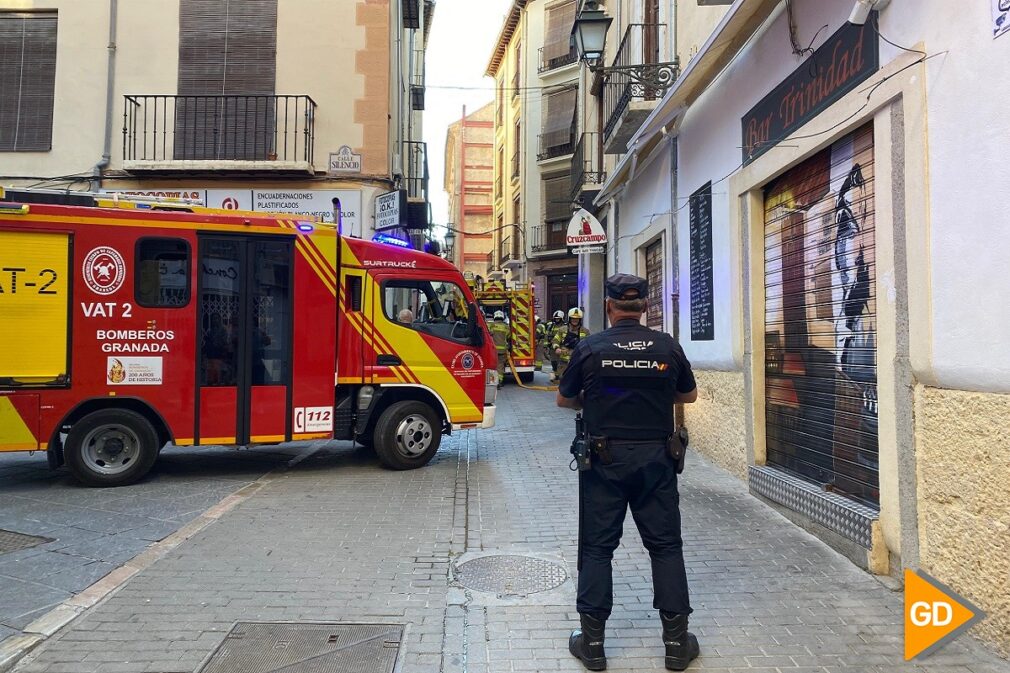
<point x="365" y="396"/>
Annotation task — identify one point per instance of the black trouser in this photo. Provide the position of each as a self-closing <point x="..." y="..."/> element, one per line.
<point x="641" y="475"/>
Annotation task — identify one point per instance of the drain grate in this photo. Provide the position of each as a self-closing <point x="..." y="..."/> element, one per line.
<point x="11" y="541"/>
<point x="307" y="648"/>
<point x="510" y="575"/>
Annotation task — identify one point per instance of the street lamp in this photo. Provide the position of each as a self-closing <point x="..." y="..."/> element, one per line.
<point x="590" y="32"/>
<point x="590" y="36"/>
<point x="450" y="243"/>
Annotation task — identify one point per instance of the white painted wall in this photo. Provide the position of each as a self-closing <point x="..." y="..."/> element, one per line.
<point x="968" y="283"/>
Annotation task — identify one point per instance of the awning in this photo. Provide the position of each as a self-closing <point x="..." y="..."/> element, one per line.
<point x="742" y="20"/>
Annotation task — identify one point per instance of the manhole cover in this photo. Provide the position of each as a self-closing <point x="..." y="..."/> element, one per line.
<point x="510" y="575"/>
<point x="307" y="648"/>
<point x="11" y="541"/>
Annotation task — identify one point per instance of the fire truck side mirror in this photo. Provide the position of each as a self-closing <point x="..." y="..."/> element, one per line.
<point x="473" y="330"/>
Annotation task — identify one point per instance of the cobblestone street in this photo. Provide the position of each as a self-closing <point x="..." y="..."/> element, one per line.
<point x="336" y="538"/>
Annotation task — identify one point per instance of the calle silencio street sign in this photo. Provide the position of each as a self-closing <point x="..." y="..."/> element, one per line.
<point x="345" y="160"/>
<point x="585" y="234"/>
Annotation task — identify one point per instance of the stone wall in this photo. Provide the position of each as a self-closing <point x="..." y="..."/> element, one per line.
<point x="717" y="420"/>
<point x="963" y="457"/>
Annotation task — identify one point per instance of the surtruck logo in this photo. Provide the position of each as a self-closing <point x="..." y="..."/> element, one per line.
<point x="636" y="364"/>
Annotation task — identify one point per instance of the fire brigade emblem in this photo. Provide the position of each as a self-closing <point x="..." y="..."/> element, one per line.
<point x="104" y="270"/>
<point x="117" y="372"/>
<point x="467" y="361"/>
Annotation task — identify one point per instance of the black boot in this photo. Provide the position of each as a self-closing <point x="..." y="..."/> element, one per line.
<point x="681" y="646"/>
<point x="586" y="644"/>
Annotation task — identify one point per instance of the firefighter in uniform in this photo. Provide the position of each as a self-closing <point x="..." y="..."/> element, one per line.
<point x="565" y="340"/>
<point x="538" y="350"/>
<point x="500" y="334"/>
<point x="556" y="323"/>
<point x="627" y="379"/>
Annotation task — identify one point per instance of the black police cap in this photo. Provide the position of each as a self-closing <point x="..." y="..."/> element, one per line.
<point x="626" y="286"/>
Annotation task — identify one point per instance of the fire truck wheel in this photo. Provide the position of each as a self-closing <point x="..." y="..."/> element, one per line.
<point x="407" y="435"/>
<point x="111" y="447"/>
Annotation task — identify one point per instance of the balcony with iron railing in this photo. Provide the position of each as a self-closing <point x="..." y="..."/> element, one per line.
<point x="247" y="133"/>
<point x="554" y="144"/>
<point x="516" y="164"/>
<point x="516" y="81"/>
<point x="633" y="90"/>
<point x="417" y="83"/>
<point x="415" y="170"/>
<point x="549" y="237"/>
<point x="491" y="266"/>
<point x="509" y="255"/>
<point x="549" y="63"/>
<point x="588" y="174"/>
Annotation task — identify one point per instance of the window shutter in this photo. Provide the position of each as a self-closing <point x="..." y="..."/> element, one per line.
<point x="559" y="117"/>
<point x="557" y="198"/>
<point x="228" y="50"/>
<point x="557" y="37"/>
<point x="27" y="81"/>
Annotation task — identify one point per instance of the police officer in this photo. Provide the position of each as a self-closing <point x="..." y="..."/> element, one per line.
<point x="500" y="334"/>
<point x="566" y="338"/>
<point x="627" y="379"/>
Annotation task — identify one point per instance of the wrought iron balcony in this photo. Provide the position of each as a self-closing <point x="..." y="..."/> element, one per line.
<point x="549" y="237"/>
<point x="516" y="164"/>
<point x="516" y="83"/>
<point x="554" y="144"/>
<point x="509" y="251"/>
<point x="555" y="62"/>
<point x="634" y="83"/>
<point x="491" y="266"/>
<point x="415" y="170"/>
<point x="192" y="133"/>
<point x="417" y="83"/>
<point x="587" y="165"/>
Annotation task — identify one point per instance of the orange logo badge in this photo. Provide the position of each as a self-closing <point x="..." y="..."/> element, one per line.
<point x="934" y="615"/>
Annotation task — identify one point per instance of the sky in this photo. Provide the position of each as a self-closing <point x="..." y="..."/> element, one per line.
<point x="462" y="37"/>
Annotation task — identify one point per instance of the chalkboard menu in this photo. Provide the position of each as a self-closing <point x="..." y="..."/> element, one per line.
<point x="702" y="299"/>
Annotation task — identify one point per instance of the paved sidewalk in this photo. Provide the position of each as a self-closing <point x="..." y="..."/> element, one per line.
<point x="337" y="538"/>
<point x="93" y="531"/>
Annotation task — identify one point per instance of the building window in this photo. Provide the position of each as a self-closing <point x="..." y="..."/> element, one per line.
<point x="501" y="101"/>
<point x="558" y="49"/>
<point x="558" y="137"/>
<point x="162" y="279"/>
<point x="557" y="190"/>
<point x="517" y="215"/>
<point x="517" y="149"/>
<point x="517" y="77"/>
<point x="228" y="53"/>
<point x="27" y="81"/>
<point x="654" y="275"/>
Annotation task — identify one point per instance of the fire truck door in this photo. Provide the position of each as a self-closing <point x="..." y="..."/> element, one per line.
<point x="244" y="349"/>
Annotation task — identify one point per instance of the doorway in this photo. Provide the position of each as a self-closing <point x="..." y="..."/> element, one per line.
<point x="244" y="348"/>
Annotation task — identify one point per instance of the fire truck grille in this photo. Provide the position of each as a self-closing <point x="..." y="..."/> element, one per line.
<point x="307" y="648"/>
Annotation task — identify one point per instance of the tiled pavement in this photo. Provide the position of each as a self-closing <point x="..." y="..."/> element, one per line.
<point x="93" y="531"/>
<point x="336" y="538"/>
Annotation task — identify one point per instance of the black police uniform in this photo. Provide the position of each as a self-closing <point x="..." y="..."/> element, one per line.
<point x="629" y="376"/>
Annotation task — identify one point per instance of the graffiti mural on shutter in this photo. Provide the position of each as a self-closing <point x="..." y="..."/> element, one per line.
<point x="821" y="329"/>
<point x="654" y="274"/>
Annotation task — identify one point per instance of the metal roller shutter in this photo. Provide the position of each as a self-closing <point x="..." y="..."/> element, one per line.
<point x="820" y="319"/>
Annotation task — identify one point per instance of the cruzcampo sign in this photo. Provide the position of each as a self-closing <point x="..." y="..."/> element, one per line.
<point x="847" y="58"/>
<point x="585" y="233"/>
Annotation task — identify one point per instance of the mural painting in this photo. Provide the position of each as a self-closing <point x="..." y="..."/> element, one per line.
<point x="820" y="317"/>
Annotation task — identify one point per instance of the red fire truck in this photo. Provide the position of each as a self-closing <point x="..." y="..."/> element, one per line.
<point x="126" y="325"/>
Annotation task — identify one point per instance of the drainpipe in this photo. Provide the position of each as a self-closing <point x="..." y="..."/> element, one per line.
<point x="109" y="96"/>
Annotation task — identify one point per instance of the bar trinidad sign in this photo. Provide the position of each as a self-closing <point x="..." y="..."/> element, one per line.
<point x="585" y="233"/>
<point x="847" y="58"/>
